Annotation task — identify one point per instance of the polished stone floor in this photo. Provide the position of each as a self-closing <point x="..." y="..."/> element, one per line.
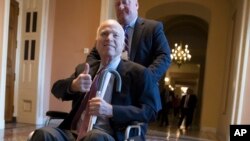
<point x="20" y="132"/>
<point x="172" y="133"/>
<point x="16" y="132"/>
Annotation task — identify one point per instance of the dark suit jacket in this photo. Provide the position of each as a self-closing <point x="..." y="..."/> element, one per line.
<point x="192" y="101"/>
<point x="149" y="47"/>
<point x="139" y="99"/>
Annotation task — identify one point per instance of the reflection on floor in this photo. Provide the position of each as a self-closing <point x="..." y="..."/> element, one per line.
<point x="20" y="132"/>
<point x="16" y="132"/>
<point x="172" y="133"/>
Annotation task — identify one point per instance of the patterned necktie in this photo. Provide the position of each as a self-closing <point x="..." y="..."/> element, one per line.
<point x="125" y="53"/>
<point x="126" y="48"/>
<point x="81" y="119"/>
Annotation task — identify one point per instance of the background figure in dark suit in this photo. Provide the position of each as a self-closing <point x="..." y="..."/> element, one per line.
<point x="176" y="105"/>
<point x="167" y="102"/>
<point x="148" y="45"/>
<point x="188" y="105"/>
<point x="139" y="99"/>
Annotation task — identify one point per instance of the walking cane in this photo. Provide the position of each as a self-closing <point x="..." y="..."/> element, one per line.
<point x="101" y="89"/>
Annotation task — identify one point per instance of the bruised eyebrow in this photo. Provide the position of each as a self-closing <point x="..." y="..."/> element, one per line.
<point x="109" y="31"/>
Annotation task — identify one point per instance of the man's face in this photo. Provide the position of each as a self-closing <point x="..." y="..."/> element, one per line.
<point x="110" y="39"/>
<point x="126" y="10"/>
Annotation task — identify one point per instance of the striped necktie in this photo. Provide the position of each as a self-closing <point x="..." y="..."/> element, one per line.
<point x="81" y="119"/>
<point x="126" y="48"/>
<point x="125" y="52"/>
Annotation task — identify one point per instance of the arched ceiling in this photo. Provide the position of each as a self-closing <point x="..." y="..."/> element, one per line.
<point x="183" y="24"/>
<point x="179" y="8"/>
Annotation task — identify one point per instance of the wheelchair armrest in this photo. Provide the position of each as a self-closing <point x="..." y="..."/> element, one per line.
<point x="30" y="135"/>
<point x="136" y="126"/>
<point x="57" y="114"/>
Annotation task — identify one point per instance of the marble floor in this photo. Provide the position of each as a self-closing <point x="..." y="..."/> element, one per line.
<point x="172" y="133"/>
<point x="16" y="131"/>
<point x="20" y="132"/>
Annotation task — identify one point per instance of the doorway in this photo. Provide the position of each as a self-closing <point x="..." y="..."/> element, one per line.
<point x="11" y="60"/>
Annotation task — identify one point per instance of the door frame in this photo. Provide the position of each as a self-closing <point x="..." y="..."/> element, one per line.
<point x="3" y="59"/>
<point x="11" y="53"/>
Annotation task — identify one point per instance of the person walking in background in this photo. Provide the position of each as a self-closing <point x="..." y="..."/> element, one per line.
<point x="187" y="105"/>
<point x="146" y="41"/>
<point x="176" y="105"/>
<point x="167" y="103"/>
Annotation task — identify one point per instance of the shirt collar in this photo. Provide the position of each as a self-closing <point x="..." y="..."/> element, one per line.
<point x="113" y="64"/>
<point x="132" y="23"/>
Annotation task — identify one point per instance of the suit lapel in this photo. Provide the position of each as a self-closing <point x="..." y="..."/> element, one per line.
<point x="120" y="68"/>
<point x="94" y="68"/>
<point x="138" y="29"/>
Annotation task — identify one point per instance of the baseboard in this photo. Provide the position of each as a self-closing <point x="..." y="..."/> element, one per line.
<point x="14" y="119"/>
<point x="209" y="129"/>
<point x="41" y="121"/>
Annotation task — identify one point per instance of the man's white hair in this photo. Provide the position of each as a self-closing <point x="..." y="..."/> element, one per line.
<point x="109" y="22"/>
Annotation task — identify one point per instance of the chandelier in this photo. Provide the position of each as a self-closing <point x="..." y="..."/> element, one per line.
<point x="180" y="55"/>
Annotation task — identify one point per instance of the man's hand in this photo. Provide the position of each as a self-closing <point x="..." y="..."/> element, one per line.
<point x="99" y="107"/>
<point x="83" y="82"/>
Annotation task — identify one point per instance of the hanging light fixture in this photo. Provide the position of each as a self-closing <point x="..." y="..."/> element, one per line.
<point x="180" y="55"/>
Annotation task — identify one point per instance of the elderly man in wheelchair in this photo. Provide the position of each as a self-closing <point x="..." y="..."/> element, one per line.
<point x="121" y="93"/>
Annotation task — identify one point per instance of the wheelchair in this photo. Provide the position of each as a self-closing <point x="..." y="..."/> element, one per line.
<point x="137" y="126"/>
<point x="62" y="115"/>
